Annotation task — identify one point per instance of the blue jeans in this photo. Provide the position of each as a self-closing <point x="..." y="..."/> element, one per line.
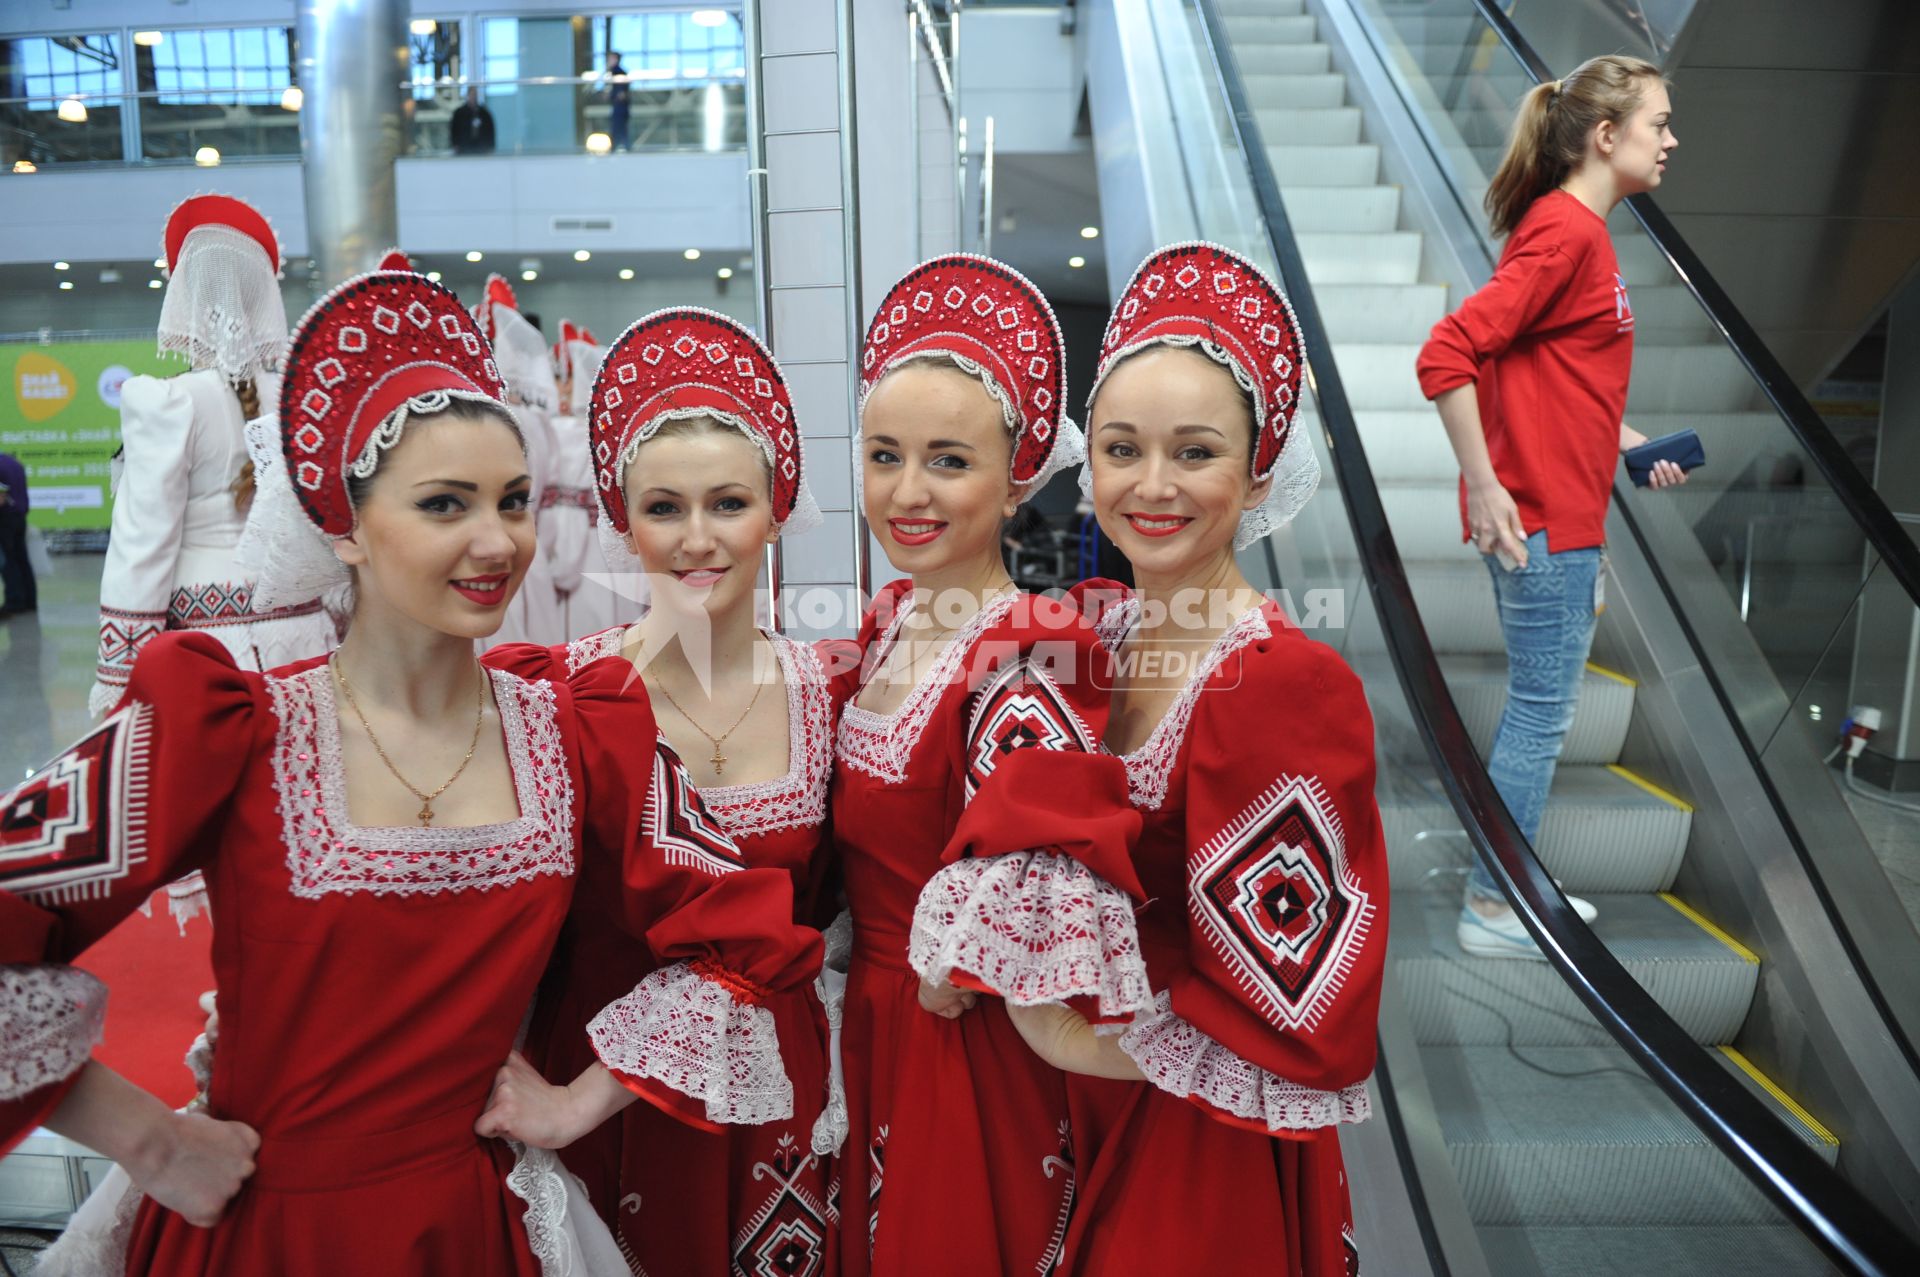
<point x="1547" y="615"/>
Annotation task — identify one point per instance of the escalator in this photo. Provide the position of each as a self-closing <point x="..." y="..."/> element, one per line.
<point x="1720" y="1076"/>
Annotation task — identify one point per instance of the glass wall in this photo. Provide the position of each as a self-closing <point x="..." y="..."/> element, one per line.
<point x="225" y="88"/>
<point x="59" y="100"/>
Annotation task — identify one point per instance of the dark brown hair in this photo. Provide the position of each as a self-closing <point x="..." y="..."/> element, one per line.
<point x="1550" y="132"/>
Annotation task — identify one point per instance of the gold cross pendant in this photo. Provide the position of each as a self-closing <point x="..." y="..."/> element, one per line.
<point x="426" y="815"/>
<point x="719" y="761"/>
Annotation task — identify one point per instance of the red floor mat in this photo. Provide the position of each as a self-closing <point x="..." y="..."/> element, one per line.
<point x="156" y="976"/>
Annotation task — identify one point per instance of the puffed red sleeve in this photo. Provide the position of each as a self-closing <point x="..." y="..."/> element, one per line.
<point x="694" y="1037"/>
<point x="1036" y="900"/>
<point x="1527" y="281"/>
<point x="1272" y="1024"/>
<point x="132" y="805"/>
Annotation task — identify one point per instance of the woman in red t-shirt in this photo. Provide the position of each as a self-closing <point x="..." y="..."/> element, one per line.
<point x="1530" y="377"/>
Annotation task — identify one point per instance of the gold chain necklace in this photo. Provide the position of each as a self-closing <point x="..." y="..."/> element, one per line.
<point x="719" y="759"/>
<point x="426" y="800"/>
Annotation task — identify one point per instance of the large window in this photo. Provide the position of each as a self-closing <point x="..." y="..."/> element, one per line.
<point x="60" y="100"/>
<point x="47" y="69"/>
<point x="233" y="66"/>
<point x="663" y="49"/>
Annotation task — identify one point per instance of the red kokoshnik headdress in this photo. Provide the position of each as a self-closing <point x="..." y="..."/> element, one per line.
<point x="218" y="210"/>
<point x="990" y="320"/>
<point x="1214" y="300"/>
<point x="687" y="362"/>
<point x="396" y="260"/>
<point x="371" y="352"/>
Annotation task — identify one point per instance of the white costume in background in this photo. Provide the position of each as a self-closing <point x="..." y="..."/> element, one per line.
<point x="569" y="513"/>
<point x="170" y="555"/>
<point x="534" y="615"/>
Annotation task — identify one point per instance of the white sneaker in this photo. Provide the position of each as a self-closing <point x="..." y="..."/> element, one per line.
<point x="1501" y="937"/>
<point x="1584" y="908"/>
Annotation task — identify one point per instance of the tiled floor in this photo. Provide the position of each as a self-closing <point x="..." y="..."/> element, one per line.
<point x="46" y="666"/>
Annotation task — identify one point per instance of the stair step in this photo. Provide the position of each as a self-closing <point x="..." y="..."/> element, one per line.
<point x="1679" y="378"/>
<point x="1379" y="375"/>
<point x="1406" y="445"/>
<point x="1342" y="209"/>
<point x="1376" y="313"/>
<point x="1357" y="165"/>
<point x="1457" y="1000"/>
<point x="1633" y="1250"/>
<point x="1258" y="8"/>
<point x="1601" y="834"/>
<point x="1479" y="685"/>
<point x="1251" y="34"/>
<point x="1378" y="257"/>
<point x="1309" y="126"/>
<point x="1574" y="1136"/>
<point x="1267" y="92"/>
<point x="1276" y="60"/>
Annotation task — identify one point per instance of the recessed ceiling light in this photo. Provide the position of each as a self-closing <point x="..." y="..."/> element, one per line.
<point x="207" y="157"/>
<point x="422" y="26"/>
<point x="598" y="143"/>
<point x="159" y="263"/>
<point x="709" y="18"/>
<point x="692" y="254"/>
<point x="582" y="255"/>
<point x="626" y="272"/>
<point x="293" y="99"/>
<point x="1089" y="232"/>
<point x="25" y="166"/>
<point x="61" y="266"/>
<point x="475" y="255"/>
<point x="73" y="111"/>
<point x="725" y="272"/>
<point x="66" y="285"/>
<point x="529" y="275"/>
<point x="434" y="276"/>
<point x="148" y="39"/>
<point x="1076" y="262"/>
<point x="154" y="283"/>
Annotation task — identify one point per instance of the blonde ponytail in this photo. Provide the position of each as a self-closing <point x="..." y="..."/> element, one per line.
<point x="1550" y="131"/>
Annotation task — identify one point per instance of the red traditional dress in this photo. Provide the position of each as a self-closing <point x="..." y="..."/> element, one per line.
<point x="1260" y="876"/>
<point x="959" y="1152"/>
<point x="684" y="1193"/>
<point x="373" y="979"/>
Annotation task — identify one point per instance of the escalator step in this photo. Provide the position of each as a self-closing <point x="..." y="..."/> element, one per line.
<point x="1250" y="35"/>
<point x="1645" y="1251"/>
<point x="1456" y="1000"/>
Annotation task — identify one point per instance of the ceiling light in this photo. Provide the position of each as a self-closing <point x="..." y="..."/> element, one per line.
<point x="529" y="275"/>
<point x="422" y="26"/>
<point x="598" y="144"/>
<point x="73" y="111"/>
<point x="66" y="285"/>
<point x="582" y="255"/>
<point x="709" y="18"/>
<point x="207" y="157"/>
<point x="148" y="39"/>
<point x="626" y="272"/>
<point x="62" y="266"/>
<point x="159" y="263"/>
<point x="293" y="99"/>
<point x="154" y="283"/>
<point x="474" y="255"/>
<point x="433" y="276"/>
<point x="1076" y="262"/>
<point x="25" y="166"/>
<point x="725" y="272"/>
<point x="1089" y="232"/>
<point x="692" y="254"/>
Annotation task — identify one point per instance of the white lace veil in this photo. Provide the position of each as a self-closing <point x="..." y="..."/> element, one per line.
<point x="1296" y="474"/>
<point x="222" y="308"/>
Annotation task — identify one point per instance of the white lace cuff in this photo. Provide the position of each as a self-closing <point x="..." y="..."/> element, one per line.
<point x="50" y="1021"/>
<point x="1180" y="1059"/>
<point x="1034" y="927"/>
<point x="684" y="1029"/>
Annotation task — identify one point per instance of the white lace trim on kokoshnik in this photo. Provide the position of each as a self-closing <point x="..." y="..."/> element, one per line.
<point x="1150" y="767"/>
<point x="326" y="853"/>
<point x="882" y="744"/>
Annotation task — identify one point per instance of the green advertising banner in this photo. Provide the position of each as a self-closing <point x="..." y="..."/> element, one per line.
<point x="61" y="417"/>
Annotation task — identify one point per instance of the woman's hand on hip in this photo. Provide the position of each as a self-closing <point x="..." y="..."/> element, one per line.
<point x="946" y="1001"/>
<point x="198" y="1167"/>
<point x="1494" y="520"/>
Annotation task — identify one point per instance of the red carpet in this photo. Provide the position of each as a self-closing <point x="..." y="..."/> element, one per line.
<point x="156" y="976"/>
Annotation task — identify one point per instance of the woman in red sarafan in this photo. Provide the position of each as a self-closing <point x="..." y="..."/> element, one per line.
<point x="1259" y="868"/>
<point x="700" y="469"/>
<point x="379" y="942"/>
<point x="959" y="1156"/>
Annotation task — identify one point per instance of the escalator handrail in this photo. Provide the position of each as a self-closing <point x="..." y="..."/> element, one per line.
<point x="1811" y="1194"/>
<point x="1869" y="512"/>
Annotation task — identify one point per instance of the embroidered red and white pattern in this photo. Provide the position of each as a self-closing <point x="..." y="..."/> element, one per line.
<point x="1277" y="901"/>
<point x="79" y="824"/>
<point x="51" y="1018"/>
<point x="881" y="744"/>
<point x="786" y="1236"/>
<point x="689" y="1032"/>
<point x="1180" y="1059"/>
<point x="122" y="636"/>
<point x="582" y="498"/>
<point x="583" y="652"/>
<point x="1020" y="707"/>
<point x="202" y="607"/>
<point x="678" y="821"/>
<point x="797" y="799"/>
<point x="327" y="854"/>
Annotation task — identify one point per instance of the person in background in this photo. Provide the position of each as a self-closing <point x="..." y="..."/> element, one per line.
<point x="1530" y="376"/>
<point x="472" y="128"/>
<point x="618" y="102"/>
<point x="22" y="593"/>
